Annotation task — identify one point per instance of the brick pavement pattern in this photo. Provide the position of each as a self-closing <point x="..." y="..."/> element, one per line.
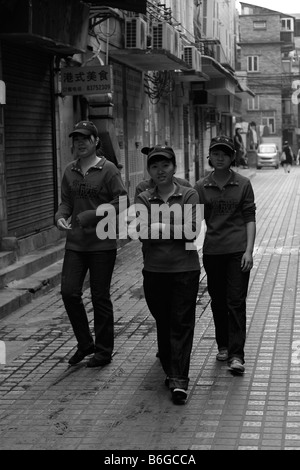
<point x="47" y="405"/>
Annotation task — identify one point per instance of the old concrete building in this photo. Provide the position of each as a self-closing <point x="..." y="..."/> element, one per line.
<point x="266" y="42"/>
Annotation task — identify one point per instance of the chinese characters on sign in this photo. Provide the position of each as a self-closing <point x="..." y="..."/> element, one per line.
<point x="86" y="80"/>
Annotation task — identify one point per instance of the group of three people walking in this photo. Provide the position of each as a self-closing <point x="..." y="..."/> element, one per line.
<point x="171" y="269"/>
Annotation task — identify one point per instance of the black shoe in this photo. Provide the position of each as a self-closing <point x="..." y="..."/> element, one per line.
<point x="179" y="396"/>
<point x="94" y="362"/>
<point x="80" y="355"/>
<point x="222" y="354"/>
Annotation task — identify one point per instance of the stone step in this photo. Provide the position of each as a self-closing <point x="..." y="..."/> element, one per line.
<point x="7" y="258"/>
<point x="32" y="276"/>
<point x="29" y="277"/>
<point x="28" y="264"/>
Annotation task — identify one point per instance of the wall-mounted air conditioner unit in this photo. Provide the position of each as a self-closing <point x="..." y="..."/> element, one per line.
<point x="162" y="36"/>
<point x="177" y="45"/>
<point x="192" y="57"/>
<point x="135" y="33"/>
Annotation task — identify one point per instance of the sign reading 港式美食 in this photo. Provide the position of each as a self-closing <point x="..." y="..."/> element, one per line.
<point x="86" y="80"/>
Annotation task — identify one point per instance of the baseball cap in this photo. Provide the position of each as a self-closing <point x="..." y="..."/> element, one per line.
<point x="162" y="151"/>
<point x="147" y="150"/>
<point x="85" y="128"/>
<point x="223" y="142"/>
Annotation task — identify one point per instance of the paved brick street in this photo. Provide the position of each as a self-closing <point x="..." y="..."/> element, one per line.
<point x="46" y="405"/>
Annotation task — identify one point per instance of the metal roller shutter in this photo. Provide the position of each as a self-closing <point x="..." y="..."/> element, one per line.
<point x="29" y="155"/>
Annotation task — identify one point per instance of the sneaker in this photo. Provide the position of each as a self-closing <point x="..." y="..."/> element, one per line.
<point x="179" y="396"/>
<point x="80" y="355"/>
<point x="236" y="366"/>
<point x="222" y="354"/>
<point x="95" y="362"/>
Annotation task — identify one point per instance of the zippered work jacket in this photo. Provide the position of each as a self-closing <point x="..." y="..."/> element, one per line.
<point x="173" y="250"/>
<point x="81" y="195"/>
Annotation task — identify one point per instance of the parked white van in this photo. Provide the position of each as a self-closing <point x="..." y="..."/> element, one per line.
<point x="268" y="156"/>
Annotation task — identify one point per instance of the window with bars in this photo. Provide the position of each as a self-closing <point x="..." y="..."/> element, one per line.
<point x="253" y="103"/>
<point x="252" y="63"/>
<point x="287" y="24"/>
<point x="270" y="123"/>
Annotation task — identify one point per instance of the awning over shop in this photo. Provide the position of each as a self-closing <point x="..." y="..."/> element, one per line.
<point x="190" y="76"/>
<point x="149" y="59"/>
<point x="139" y="6"/>
<point x="222" y="78"/>
<point x="214" y="69"/>
<point x="242" y="84"/>
<point x="221" y="86"/>
<point x="245" y="89"/>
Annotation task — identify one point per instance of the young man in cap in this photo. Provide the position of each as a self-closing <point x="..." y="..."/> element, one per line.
<point x="229" y="213"/>
<point x="88" y="182"/>
<point x="171" y="267"/>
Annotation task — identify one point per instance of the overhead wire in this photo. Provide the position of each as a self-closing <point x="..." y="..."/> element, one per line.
<point x="158" y="84"/>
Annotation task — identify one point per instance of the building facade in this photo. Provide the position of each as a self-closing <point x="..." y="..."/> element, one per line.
<point x="165" y="74"/>
<point x="266" y="50"/>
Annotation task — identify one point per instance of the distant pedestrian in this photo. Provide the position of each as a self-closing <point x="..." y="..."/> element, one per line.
<point x="171" y="267"/>
<point x="229" y="213"/>
<point x="298" y="157"/>
<point x="88" y="182"/>
<point x="287" y="157"/>
<point x="252" y="136"/>
<point x="149" y="183"/>
<point x="239" y="148"/>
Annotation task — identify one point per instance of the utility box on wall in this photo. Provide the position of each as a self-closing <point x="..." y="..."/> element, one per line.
<point x="57" y="25"/>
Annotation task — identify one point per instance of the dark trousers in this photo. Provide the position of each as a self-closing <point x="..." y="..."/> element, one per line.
<point x="171" y="299"/>
<point x="100" y="266"/>
<point x="228" y="286"/>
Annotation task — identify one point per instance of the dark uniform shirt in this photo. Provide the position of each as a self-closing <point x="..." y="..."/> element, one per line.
<point x="226" y="213"/>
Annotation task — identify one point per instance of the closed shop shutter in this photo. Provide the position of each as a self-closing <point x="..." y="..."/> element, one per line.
<point x="28" y="127"/>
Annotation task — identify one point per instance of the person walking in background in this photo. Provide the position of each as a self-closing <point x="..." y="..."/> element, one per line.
<point x="239" y="147"/>
<point x="298" y="157"/>
<point x="87" y="183"/>
<point x="229" y="213"/>
<point x="287" y="157"/>
<point x="252" y="136"/>
<point x="171" y="267"/>
<point x="149" y="183"/>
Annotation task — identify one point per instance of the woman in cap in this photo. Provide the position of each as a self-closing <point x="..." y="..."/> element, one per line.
<point x="89" y="182"/>
<point x="149" y="183"/>
<point x="169" y="223"/>
<point x="229" y="213"/>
